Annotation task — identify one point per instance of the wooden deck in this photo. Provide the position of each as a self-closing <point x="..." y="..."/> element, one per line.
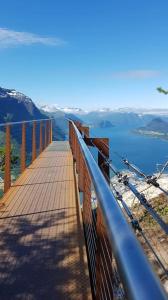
<point x="42" y="251"/>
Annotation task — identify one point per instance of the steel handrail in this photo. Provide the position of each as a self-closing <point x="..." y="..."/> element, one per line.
<point x="137" y="275"/>
<point x="21" y="122"/>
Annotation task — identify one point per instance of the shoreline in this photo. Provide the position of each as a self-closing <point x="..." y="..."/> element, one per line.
<point x="153" y="134"/>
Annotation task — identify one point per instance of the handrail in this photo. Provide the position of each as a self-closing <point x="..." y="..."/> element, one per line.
<point x="21" y="122"/>
<point x="138" y="278"/>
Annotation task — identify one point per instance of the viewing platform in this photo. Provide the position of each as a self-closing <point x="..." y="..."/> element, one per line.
<point x="42" y="244"/>
<point x="64" y="233"/>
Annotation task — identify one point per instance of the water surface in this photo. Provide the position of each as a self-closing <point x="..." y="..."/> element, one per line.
<point x="144" y="151"/>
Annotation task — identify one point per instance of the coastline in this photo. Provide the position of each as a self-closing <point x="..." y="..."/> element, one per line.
<point x="149" y="133"/>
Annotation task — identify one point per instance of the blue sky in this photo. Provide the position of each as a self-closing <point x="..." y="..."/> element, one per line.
<point x="110" y="53"/>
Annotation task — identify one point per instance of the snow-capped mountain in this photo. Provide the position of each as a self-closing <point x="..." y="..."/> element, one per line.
<point x="49" y="108"/>
<point x="55" y="108"/>
<point x="5" y="93"/>
<point x="125" y="110"/>
<point x="143" y="111"/>
<point x="15" y="106"/>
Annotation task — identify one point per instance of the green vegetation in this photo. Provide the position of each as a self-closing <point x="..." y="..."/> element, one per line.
<point x="14" y="157"/>
<point x="14" y="163"/>
<point x="161" y="90"/>
<point x="160" y="205"/>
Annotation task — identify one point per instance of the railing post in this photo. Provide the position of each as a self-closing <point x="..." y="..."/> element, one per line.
<point x="23" y="148"/>
<point x="50" y="131"/>
<point x="101" y="160"/>
<point x="47" y="131"/>
<point x="41" y="136"/>
<point x="34" y="141"/>
<point x="85" y="130"/>
<point x="75" y="147"/>
<point x="70" y="134"/>
<point x="103" y="145"/>
<point x="45" y="135"/>
<point x="7" y="176"/>
<point x="87" y="207"/>
<point x="73" y="142"/>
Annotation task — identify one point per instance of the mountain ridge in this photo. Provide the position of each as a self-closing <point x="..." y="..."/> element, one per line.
<point x="15" y="106"/>
<point x="157" y="124"/>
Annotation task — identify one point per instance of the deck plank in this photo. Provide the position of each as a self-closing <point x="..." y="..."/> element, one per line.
<point x="42" y="251"/>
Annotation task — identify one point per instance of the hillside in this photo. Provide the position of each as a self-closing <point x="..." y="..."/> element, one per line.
<point x="61" y="120"/>
<point x="15" y="106"/>
<point x="157" y="127"/>
<point x="116" y="118"/>
<point x="103" y="124"/>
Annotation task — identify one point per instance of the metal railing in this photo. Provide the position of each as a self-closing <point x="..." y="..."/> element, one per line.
<point x="40" y="135"/>
<point x="118" y="266"/>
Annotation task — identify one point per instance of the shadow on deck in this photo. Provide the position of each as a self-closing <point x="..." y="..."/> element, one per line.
<point x="43" y="254"/>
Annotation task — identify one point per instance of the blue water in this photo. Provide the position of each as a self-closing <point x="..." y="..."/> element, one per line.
<point x="144" y="151"/>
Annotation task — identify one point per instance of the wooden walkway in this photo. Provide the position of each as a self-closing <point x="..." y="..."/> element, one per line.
<point x="42" y="250"/>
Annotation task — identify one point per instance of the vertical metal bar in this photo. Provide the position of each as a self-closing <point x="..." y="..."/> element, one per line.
<point x="41" y="136"/>
<point x="7" y="176"/>
<point x="23" y="148"/>
<point x="34" y="141"/>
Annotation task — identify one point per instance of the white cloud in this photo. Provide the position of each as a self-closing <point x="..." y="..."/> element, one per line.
<point x="9" y="38"/>
<point x="136" y="74"/>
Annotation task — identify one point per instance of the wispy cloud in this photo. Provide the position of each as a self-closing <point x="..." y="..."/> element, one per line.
<point x="136" y="74"/>
<point x="10" y="38"/>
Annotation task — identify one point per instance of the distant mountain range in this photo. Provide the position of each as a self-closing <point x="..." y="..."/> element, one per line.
<point x="76" y="110"/>
<point x="15" y="106"/>
<point x="129" y="117"/>
<point x="67" y="110"/>
<point x="105" y="124"/>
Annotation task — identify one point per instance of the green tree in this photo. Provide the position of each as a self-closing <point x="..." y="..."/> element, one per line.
<point x="161" y="90"/>
<point x="8" y="117"/>
<point x="14" y="158"/>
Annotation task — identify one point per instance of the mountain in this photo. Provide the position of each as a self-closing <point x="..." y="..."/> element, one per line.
<point x="67" y="110"/>
<point x="129" y="120"/>
<point x="15" y="106"/>
<point x="156" y="127"/>
<point x="104" y="124"/>
<point x="61" y="122"/>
